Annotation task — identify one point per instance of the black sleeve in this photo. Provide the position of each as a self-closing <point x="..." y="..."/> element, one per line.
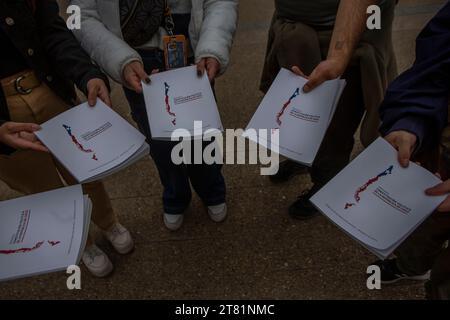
<point x="63" y="50"/>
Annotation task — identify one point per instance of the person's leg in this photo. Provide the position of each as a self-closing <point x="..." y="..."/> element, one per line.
<point x="18" y="170"/>
<point x="31" y="172"/>
<point x="208" y="181"/>
<point x="290" y="44"/>
<point x="174" y="178"/>
<point x="418" y="253"/>
<point x="334" y="153"/>
<point x="102" y="212"/>
<point x="103" y="216"/>
<point x="45" y="105"/>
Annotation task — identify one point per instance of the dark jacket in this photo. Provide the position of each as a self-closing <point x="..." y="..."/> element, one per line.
<point x="57" y="58"/>
<point x="417" y="101"/>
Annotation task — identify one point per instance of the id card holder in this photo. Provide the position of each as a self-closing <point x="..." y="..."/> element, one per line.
<point x="175" y="51"/>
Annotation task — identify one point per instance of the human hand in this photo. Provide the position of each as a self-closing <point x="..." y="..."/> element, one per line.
<point x="441" y="190"/>
<point x="211" y="66"/>
<point x="329" y="69"/>
<point x="134" y="74"/>
<point x="404" y="142"/>
<point x="97" y="88"/>
<point x="21" y="136"/>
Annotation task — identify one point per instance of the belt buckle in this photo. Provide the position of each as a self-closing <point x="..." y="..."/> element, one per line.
<point x="19" y="88"/>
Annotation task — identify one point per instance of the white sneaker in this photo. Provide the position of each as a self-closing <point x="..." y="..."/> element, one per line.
<point x="218" y="213"/>
<point x="120" y="238"/>
<point x="97" y="262"/>
<point x="173" y="222"/>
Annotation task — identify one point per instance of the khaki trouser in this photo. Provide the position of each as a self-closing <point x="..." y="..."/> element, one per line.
<point x="32" y="172"/>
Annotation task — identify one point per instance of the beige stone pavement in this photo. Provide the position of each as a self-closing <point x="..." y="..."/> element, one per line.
<point x="259" y="252"/>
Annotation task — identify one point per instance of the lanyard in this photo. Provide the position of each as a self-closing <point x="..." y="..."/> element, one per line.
<point x="169" y="24"/>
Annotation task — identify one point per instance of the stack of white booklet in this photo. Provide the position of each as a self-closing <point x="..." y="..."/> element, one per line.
<point x="176" y="99"/>
<point x="43" y="233"/>
<point x="376" y="201"/>
<point x="301" y="119"/>
<point x="92" y="142"/>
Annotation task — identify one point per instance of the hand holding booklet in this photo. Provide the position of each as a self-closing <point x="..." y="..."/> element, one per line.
<point x="43" y="233"/>
<point x="376" y="201"/>
<point x="301" y="118"/>
<point x="92" y="142"/>
<point x="176" y="99"/>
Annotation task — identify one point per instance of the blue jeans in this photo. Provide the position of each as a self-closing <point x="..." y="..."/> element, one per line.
<point x="207" y="180"/>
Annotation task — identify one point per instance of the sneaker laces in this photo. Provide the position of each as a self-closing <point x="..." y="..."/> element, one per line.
<point x="93" y="252"/>
<point x="116" y="231"/>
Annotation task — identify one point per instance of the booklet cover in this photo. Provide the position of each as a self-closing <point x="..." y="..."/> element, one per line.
<point x="43" y="233"/>
<point x="175" y="99"/>
<point x="302" y="119"/>
<point x="92" y="142"/>
<point x="376" y="201"/>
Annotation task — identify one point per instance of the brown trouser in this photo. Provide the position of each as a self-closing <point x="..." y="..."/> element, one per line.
<point x="32" y="172"/>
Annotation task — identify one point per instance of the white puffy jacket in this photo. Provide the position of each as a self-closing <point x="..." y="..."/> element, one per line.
<point x="211" y="31"/>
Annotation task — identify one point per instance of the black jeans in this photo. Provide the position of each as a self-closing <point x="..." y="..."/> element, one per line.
<point x="335" y="151"/>
<point x="207" y="180"/>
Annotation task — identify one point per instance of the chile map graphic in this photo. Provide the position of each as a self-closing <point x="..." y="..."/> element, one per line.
<point x="166" y="100"/>
<point x="25" y="250"/>
<point x="283" y="109"/>
<point x="78" y="144"/>
<point x="364" y="187"/>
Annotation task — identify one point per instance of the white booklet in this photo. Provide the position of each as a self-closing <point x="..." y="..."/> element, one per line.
<point x="302" y="119"/>
<point x="176" y="99"/>
<point x="92" y="142"/>
<point x="376" y="201"/>
<point x="43" y="233"/>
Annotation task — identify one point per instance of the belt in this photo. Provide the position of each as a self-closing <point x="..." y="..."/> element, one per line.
<point x="21" y="83"/>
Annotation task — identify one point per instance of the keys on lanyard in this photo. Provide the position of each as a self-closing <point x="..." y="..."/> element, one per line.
<point x="175" y="46"/>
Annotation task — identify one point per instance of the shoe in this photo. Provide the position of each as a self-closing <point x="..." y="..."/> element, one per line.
<point x="173" y="222"/>
<point x="218" y="213"/>
<point x="120" y="238"/>
<point x="97" y="262"/>
<point x="390" y="273"/>
<point x="287" y="170"/>
<point x="302" y="209"/>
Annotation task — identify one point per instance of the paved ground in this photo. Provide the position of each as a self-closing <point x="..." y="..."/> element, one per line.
<point x="258" y="252"/>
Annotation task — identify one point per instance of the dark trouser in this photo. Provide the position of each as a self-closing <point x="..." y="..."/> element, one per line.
<point x="334" y="153"/>
<point x="424" y="250"/>
<point x="207" y="180"/>
<point x="296" y="44"/>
